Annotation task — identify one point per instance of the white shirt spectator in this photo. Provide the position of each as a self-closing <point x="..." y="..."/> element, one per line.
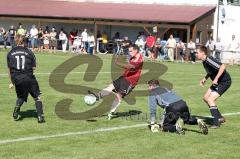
<point x="219" y="46"/>
<point x="63" y="37"/>
<point x="84" y="36"/>
<point x="171" y="43"/>
<point x="140" y="42"/>
<point x="34" y="32"/>
<point x="91" y="41"/>
<point x="191" y="46"/>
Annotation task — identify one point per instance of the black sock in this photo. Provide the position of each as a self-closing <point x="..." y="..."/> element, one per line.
<point x="39" y="108"/>
<point x="215" y="113"/>
<point x="19" y="102"/>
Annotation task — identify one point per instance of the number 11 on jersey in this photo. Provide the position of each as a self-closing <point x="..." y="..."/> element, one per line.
<point x="20" y="62"/>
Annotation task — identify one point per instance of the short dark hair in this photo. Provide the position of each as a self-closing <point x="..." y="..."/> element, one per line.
<point x="153" y="82"/>
<point x="135" y="47"/>
<point x="203" y="48"/>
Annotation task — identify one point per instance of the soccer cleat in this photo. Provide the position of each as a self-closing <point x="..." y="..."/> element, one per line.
<point x="110" y="116"/>
<point x="41" y="119"/>
<point x="221" y="120"/>
<point x="179" y="127"/>
<point x="97" y="97"/>
<point x="202" y="126"/>
<point x="16" y="112"/>
<point x="154" y="128"/>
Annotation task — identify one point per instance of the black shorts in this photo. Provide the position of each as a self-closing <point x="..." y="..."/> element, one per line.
<point x="27" y="85"/>
<point x="221" y="87"/>
<point x="174" y="111"/>
<point x="122" y="86"/>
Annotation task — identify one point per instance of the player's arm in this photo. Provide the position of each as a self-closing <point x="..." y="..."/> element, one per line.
<point x="152" y="103"/>
<point x="220" y="72"/>
<point x="123" y="65"/>
<point x="203" y="81"/>
<point x="11" y="82"/>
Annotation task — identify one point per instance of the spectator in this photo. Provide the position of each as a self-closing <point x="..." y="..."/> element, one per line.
<point x="192" y="50"/>
<point x="11" y="36"/>
<point x="116" y="36"/>
<point x="232" y="47"/>
<point x="21" y="31"/>
<point x="64" y="40"/>
<point x="210" y="45"/>
<point x="218" y="49"/>
<point x="157" y="46"/>
<point x="71" y="38"/>
<point x="125" y="45"/>
<point x="181" y="47"/>
<point x="141" y="44"/>
<point x="150" y="41"/>
<point x="84" y="36"/>
<point x="53" y="40"/>
<point x="3" y="37"/>
<point x="40" y="39"/>
<point x="33" y="36"/>
<point x="91" y="43"/>
<point x="104" y="39"/>
<point x="171" y="45"/>
<point x="46" y="38"/>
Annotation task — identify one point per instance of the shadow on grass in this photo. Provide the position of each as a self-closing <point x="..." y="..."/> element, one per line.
<point x="129" y="114"/>
<point x="207" y="120"/>
<point x="28" y="114"/>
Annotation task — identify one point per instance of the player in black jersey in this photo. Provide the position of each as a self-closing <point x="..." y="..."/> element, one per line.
<point x="221" y="81"/>
<point x="21" y="63"/>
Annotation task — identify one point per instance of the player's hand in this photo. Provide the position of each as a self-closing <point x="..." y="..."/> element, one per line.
<point x="10" y="86"/>
<point x="215" y="82"/>
<point x="202" y="82"/>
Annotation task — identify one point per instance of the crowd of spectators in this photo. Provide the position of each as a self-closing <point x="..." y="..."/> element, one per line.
<point x="83" y="41"/>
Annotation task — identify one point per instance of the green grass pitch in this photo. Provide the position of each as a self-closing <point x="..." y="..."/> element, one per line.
<point x="130" y="143"/>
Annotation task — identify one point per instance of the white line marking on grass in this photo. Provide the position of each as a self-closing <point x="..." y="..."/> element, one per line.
<point x="70" y="134"/>
<point x="82" y="132"/>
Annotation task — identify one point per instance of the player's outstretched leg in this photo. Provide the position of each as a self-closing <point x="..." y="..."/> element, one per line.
<point x="39" y="108"/>
<point x="17" y="108"/>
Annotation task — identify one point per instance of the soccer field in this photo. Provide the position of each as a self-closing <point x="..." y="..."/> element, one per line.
<point x="64" y="136"/>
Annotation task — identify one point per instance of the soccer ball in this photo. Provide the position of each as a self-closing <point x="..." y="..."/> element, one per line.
<point x="90" y="99"/>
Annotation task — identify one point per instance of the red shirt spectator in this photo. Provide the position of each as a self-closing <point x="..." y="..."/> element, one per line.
<point x="150" y="41"/>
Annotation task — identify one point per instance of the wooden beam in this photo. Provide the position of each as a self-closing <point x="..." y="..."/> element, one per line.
<point x="134" y="24"/>
<point x="194" y="32"/>
<point x="146" y="29"/>
<point x="95" y="37"/>
<point x="166" y="29"/>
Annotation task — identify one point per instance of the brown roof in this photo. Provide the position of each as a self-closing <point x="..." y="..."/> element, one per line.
<point x="110" y="11"/>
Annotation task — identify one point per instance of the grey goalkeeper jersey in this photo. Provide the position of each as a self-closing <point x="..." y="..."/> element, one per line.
<point x="162" y="97"/>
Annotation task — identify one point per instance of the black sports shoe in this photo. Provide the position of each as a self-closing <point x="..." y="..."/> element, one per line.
<point x="221" y="120"/>
<point x="41" y="119"/>
<point x="16" y="112"/>
<point x="97" y="97"/>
